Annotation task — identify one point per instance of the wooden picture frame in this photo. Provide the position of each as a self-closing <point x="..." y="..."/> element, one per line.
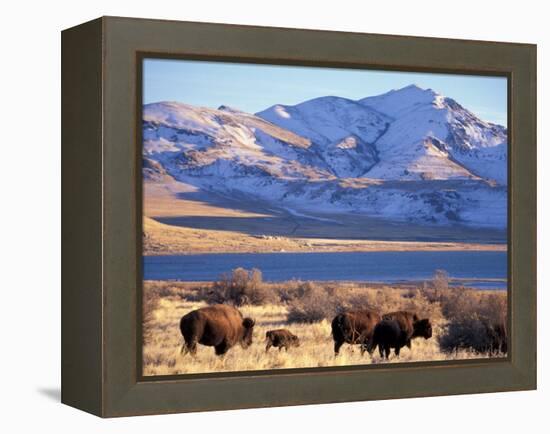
<point x="101" y="218"/>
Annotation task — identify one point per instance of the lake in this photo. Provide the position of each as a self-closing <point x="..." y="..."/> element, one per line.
<point x="388" y="267"/>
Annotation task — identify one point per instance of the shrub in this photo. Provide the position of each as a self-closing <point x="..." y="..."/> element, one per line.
<point x="440" y="280"/>
<point x="291" y="290"/>
<point x="315" y="304"/>
<point x="241" y="287"/>
<point x="466" y="332"/>
<point x="476" y="321"/>
<point x="149" y="304"/>
<point x="359" y="300"/>
<point x="432" y="290"/>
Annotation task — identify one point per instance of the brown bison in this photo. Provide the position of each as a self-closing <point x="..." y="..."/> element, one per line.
<point x="219" y="326"/>
<point x="406" y="321"/>
<point x="280" y="338"/>
<point x="389" y="333"/>
<point x="353" y="327"/>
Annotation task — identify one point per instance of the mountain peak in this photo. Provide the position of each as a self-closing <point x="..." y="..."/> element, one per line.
<point x="396" y="102"/>
<point x="416" y="89"/>
<point x="227" y="108"/>
<point x="412" y="86"/>
<point x="327" y="119"/>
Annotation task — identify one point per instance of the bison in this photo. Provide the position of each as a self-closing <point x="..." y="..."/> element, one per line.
<point x="389" y="333"/>
<point x="280" y="338"/>
<point x="353" y="327"/>
<point x="406" y="320"/>
<point x="219" y="326"/>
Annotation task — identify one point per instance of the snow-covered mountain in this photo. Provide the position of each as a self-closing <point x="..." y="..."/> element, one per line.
<point x="433" y="136"/>
<point x="342" y="131"/>
<point x="409" y="154"/>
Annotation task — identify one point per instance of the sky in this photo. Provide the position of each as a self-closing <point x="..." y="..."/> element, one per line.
<point x="253" y="88"/>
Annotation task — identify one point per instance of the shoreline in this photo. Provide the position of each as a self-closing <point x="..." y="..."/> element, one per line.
<point x="365" y="246"/>
<point x="429" y="247"/>
<point x="163" y="240"/>
<point x="404" y="285"/>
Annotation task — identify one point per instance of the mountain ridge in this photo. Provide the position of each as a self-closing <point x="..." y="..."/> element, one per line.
<point x="336" y="154"/>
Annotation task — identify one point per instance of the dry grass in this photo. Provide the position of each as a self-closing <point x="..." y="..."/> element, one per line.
<point x="161" y="351"/>
<point x="163" y="239"/>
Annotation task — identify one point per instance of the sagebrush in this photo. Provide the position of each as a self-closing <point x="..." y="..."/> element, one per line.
<point x="463" y="321"/>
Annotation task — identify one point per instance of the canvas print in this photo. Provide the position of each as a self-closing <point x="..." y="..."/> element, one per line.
<point x="306" y="217"/>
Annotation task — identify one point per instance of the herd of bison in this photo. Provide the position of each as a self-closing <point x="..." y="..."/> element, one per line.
<point x="223" y="326"/>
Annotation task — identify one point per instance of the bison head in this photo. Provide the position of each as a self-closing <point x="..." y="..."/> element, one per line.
<point x="295" y="341"/>
<point x="248" y="327"/>
<point x="423" y="328"/>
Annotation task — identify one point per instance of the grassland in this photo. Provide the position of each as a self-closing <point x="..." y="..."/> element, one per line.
<point x="167" y="302"/>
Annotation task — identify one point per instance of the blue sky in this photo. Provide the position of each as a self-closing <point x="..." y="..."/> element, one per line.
<point x="253" y="88"/>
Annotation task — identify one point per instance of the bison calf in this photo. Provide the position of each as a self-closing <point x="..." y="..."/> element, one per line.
<point x="219" y="326"/>
<point x="280" y="338"/>
<point x="389" y="333"/>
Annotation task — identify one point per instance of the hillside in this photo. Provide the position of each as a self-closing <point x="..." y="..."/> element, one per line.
<point x="409" y="155"/>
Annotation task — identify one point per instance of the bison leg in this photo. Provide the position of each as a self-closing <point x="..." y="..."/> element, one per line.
<point x="370" y="345"/>
<point x="397" y="351"/>
<point x="267" y="346"/>
<point x="408" y="344"/>
<point x="387" y="350"/>
<point x="192" y="348"/>
<point x="337" y="346"/>
<point x="221" y="349"/>
<point x="189" y="347"/>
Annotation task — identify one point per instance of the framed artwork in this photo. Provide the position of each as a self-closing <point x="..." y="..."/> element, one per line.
<point x="259" y="216"/>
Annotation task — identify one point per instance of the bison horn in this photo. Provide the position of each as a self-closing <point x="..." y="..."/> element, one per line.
<point x="248" y="322"/>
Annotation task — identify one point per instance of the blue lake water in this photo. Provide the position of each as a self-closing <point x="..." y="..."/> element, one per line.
<point x="389" y="267"/>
